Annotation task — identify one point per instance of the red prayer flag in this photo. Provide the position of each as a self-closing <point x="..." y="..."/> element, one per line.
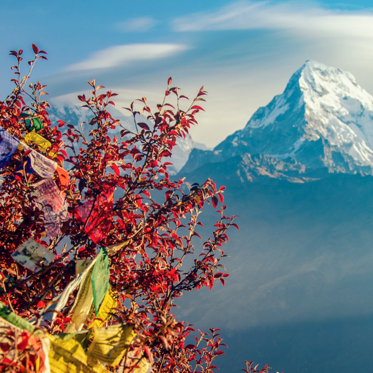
<point x="99" y="215"/>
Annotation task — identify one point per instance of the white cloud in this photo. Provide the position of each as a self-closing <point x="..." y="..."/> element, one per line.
<point x="124" y="54"/>
<point x="290" y="16"/>
<point x="141" y="24"/>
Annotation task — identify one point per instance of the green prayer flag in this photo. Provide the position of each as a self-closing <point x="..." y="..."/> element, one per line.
<point x="14" y="319"/>
<point x="100" y="278"/>
<point x="32" y="122"/>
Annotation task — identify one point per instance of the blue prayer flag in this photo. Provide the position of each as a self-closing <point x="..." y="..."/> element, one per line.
<point x="8" y="145"/>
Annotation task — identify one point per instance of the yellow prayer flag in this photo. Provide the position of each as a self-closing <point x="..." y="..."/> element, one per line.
<point x="68" y="356"/>
<point x="34" y="138"/>
<point x="109" y="344"/>
<point x="83" y="302"/>
<point x="81" y="265"/>
<point x="107" y="306"/>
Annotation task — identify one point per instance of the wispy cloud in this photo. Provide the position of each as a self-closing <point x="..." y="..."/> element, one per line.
<point x="280" y="16"/>
<point x="141" y="24"/>
<point x="124" y="54"/>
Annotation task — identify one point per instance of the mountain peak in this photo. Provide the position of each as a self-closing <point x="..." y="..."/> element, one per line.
<point x="316" y="77"/>
<point x="322" y="119"/>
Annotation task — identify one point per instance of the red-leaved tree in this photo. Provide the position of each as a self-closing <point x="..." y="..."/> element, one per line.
<point x="116" y="194"/>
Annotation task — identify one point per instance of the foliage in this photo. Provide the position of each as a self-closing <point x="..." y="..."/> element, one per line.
<point x="154" y="218"/>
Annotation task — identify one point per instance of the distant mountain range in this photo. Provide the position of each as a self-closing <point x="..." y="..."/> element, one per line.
<point x="323" y="120"/>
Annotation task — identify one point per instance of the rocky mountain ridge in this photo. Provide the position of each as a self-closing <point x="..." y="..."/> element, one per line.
<point x="322" y="120"/>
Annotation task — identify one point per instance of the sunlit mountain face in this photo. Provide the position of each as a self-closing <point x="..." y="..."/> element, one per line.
<point x="299" y="175"/>
<point x="323" y="119"/>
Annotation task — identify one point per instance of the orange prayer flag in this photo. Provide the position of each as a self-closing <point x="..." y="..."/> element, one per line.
<point x="63" y="176"/>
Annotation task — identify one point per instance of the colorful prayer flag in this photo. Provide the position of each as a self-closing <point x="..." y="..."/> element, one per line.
<point x="38" y="342"/>
<point x="68" y="356"/>
<point x="33" y="255"/>
<point x="83" y="301"/>
<point x="63" y="176"/>
<point x="49" y="199"/>
<point x="8" y="145"/>
<point x="100" y="278"/>
<point x="9" y="320"/>
<point x="81" y="265"/>
<point x="34" y="138"/>
<point x="52" y="195"/>
<point x="109" y="344"/>
<point x="61" y="300"/>
<point x="99" y="215"/>
<point x="108" y="305"/>
<point x="43" y="166"/>
<point x="32" y="122"/>
<point x="14" y="319"/>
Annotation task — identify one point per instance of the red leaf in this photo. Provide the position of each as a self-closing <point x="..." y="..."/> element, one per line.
<point x="169" y="80"/>
<point x="219" y="352"/>
<point x="146" y="193"/>
<point x="115" y="168"/>
<point x="196" y="107"/>
<point x="64" y="153"/>
<point x="221" y="198"/>
<point x="164" y="341"/>
<point x="40" y="304"/>
<point x="196" y="234"/>
<point x="35" y="48"/>
<point x="148" y="354"/>
<point x="143" y="126"/>
<point x="222" y="281"/>
<point x="214" y="201"/>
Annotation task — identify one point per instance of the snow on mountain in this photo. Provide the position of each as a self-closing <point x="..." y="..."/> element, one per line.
<point x="76" y="115"/>
<point x="322" y="119"/>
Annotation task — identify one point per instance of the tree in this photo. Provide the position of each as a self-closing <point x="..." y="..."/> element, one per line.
<point x="76" y="205"/>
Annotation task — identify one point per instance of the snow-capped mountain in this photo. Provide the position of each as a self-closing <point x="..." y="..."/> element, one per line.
<point x="322" y="119"/>
<point x="76" y="115"/>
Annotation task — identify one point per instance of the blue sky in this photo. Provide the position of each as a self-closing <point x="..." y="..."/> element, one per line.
<point x="242" y="52"/>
